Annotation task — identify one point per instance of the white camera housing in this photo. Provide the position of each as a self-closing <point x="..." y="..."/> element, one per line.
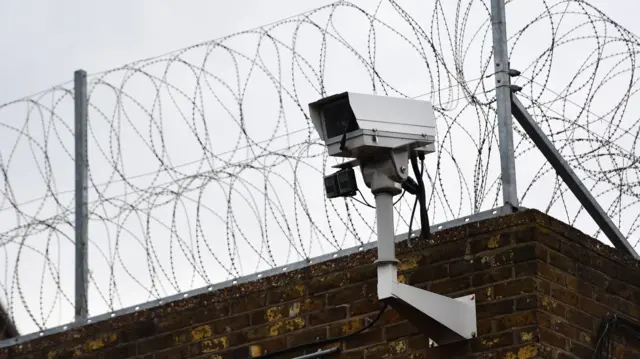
<point x="370" y="124"/>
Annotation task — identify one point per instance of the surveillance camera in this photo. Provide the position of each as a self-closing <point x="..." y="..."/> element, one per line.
<point x="341" y="184"/>
<point x="362" y="126"/>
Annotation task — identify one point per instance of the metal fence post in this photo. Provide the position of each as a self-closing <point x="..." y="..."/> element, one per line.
<point x="81" y="194"/>
<point x="503" y="103"/>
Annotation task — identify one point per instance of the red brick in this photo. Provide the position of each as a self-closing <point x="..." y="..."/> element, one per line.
<point x="179" y="352"/>
<point x="400" y="330"/>
<point x="553" y="275"/>
<point x="122" y="351"/>
<point x="429" y="273"/>
<point x="526" y="269"/>
<point x="527" y="335"/>
<point x="627" y="308"/>
<point x="364" y="306"/>
<point x="605" y="266"/>
<point x="285" y="294"/>
<point x="362" y="273"/>
<point x="562" y="262"/>
<point x="485" y="326"/>
<point x="418" y="342"/>
<point x="328" y="315"/>
<point x="492" y="276"/>
<point x="447" y="286"/>
<point x="514" y="288"/>
<point x="270" y="345"/>
<point x="490" y="243"/>
<point x="549" y="337"/>
<point x="445" y="252"/>
<point x="461" y="267"/>
<point x="351" y="354"/>
<point x="502" y="258"/>
<point x="631" y="276"/>
<point x="345" y="327"/>
<point x="525" y="234"/>
<point x="580" y="350"/>
<point x="564" y="296"/>
<point x="307" y="336"/>
<point x="327" y="282"/>
<point x="593" y="308"/>
<point x="483" y="294"/>
<point x="591" y="276"/>
<point x="525" y="351"/>
<point x="491" y="309"/>
<point x="366" y="338"/>
<point x="155" y="344"/>
<point x="581" y="319"/>
<point x="345" y="295"/>
<point x="491" y="342"/>
<point x="548" y="238"/>
<point x="515" y="320"/>
<point x="453" y="350"/>
<point x="622" y="290"/>
<point x="544" y="286"/>
<point x="527" y="302"/>
<point x="247" y="303"/>
<point x="567" y="330"/>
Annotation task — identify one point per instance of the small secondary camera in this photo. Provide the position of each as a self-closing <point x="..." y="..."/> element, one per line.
<point x="341" y="184"/>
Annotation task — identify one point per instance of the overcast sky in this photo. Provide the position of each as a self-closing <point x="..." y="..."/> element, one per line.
<point x="44" y="42"/>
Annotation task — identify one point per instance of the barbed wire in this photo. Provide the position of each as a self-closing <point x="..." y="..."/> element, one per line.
<point x="204" y="165"/>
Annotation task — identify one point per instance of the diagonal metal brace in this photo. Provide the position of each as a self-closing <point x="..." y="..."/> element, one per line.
<point x="569" y="177"/>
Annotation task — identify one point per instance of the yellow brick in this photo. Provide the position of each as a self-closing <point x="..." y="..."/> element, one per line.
<point x="298" y="290"/>
<point x="351" y="326"/>
<point x="295" y="324"/>
<point x="275" y="329"/>
<point x="100" y="342"/>
<point x="526" y="336"/>
<point x="490" y="343"/>
<point x="214" y="345"/>
<point x="201" y="332"/>
<point x="274" y="313"/>
<point x="408" y="263"/>
<point x="294" y="309"/>
<point x="494" y="242"/>
<point x="398" y="346"/>
<point x="255" y="350"/>
<point x="527" y="352"/>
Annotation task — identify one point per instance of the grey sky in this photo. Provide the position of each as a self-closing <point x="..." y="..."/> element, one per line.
<point x="44" y="42"/>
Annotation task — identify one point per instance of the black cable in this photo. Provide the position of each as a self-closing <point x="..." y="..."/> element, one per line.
<point x="413" y="212"/>
<point x="424" y="220"/>
<point x="610" y="323"/>
<point x="425" y="212"/>
<point x="326" y="341"/>
<point x="364" y="203"/>
<point x="399" y="198"/>
<point x="364" y="200"/>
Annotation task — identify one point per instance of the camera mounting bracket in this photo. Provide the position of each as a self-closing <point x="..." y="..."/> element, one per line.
<point x="443" y="319"/>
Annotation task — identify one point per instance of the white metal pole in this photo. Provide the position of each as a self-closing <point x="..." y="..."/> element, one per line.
<point x="387" y="262"/>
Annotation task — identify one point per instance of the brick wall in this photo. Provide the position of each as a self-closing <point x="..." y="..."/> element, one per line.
<point x="542" y="289"/>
